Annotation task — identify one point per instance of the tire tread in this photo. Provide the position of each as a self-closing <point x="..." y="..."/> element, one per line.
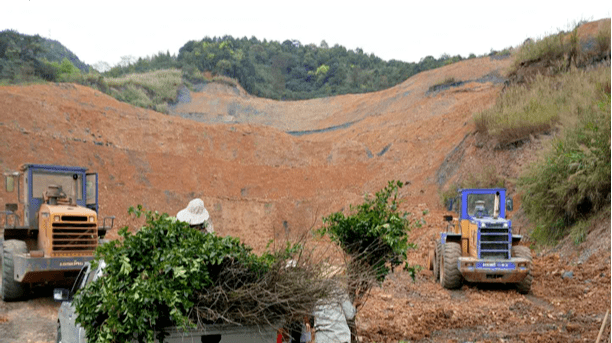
<point x="11" y="289"/>
<point x="524" y="286"/>
<point x="452" y="276"/>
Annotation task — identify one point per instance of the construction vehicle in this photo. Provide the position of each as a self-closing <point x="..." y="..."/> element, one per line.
<point x="479" y="245"/>
<point x="51" y="230"/>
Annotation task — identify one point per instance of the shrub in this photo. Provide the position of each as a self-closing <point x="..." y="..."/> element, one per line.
<point x="147" y="90"/>
<point x="169" y="274"/>
<point x="225" y="80"/>
<point x="66" y="67"/>
<point x="134" y="95"/>
<point x="572" y="181"/>
<point x="552" y="47"/>
<point x="373" y="235"/>
<point x="94" y="80"/>
<point x="161" y="108"/>
<point x="602" y="39"/>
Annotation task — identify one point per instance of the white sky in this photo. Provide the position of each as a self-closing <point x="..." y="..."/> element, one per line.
<point x="402" y="30"/>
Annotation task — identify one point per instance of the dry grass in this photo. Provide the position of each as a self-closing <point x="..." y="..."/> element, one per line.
<point x="571" y="182"/>
<point x="486" y="177"/>
<point x="148" y="90"/>
<point x="603" y="38"/>
<point x="540" y="107"/>
<point x="550" y="47"/>
<point x="564" y="49"/>
<point x="446" y="82"/>
<point x="225" y="80"/>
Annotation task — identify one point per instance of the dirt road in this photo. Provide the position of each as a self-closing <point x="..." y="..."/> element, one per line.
<point x="34" y="320"/>
<point x="568" y="301"/>
<point x="557" y="310"/>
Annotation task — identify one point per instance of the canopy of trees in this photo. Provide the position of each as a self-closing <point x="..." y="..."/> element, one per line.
<point x="269" y="69"/>
<point x="28" y="58"/>
<point x="287" y="70"/>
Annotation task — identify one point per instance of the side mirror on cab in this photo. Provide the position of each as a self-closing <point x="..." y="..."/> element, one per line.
<point x="509" y="205"/>
<point x="61" y="294"/>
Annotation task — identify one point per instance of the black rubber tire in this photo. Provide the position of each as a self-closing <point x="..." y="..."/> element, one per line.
<point x="11" y="289"/>
<point x="450" y="276"/>
<point x="436" y="270"/>
<point x="524" y="286"/>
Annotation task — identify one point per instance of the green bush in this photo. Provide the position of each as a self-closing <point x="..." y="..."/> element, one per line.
<point x="161" y="108"/>
<point x="572" y="182"/>
<point x="374" y="235"/>
<point x="67" y="68"/>
<point x="151" y="279"/>
<point x="134" y="95"/>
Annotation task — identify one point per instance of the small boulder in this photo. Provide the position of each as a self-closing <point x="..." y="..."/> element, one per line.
<point x="567" y="275"/>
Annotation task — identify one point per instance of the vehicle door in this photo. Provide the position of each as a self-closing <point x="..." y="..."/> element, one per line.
<point x="91" y="191"/>
<point x="72" y="332"/>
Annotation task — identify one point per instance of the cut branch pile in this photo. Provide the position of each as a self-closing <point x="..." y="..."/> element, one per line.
<point x="281" y="294"/>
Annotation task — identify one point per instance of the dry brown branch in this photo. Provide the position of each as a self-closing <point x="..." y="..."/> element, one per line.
<point x="282" y="294"/>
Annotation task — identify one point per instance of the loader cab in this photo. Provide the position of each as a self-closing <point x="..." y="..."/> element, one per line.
<point x="478" y="203"/>
<point x="34" y="179"/>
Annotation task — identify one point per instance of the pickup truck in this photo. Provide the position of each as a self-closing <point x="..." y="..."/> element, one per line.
<point x="68" y="331"/>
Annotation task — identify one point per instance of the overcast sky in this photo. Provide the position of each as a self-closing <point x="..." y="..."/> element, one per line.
<point x="402" y="30"/>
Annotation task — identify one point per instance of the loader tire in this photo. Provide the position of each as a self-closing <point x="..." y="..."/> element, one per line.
<point x="11" y="289"/>
<point x="436" y="268"/>
<point x="524" y="286"/>
<point x="450" y="276"/>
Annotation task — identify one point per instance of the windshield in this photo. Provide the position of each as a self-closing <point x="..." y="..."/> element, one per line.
<point x="481" y="205"/>
<point x="42" y="180"/>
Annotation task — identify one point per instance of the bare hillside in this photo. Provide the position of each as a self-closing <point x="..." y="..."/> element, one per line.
<point x="271" y="169"/>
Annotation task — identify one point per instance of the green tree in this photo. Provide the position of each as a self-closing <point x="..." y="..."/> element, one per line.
<point x="151" y="278"/>
<point x="67" y="70"/>
<point x="373" y="235"/>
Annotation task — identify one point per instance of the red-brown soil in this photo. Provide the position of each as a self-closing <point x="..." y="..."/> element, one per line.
<point x="259" y="183"/>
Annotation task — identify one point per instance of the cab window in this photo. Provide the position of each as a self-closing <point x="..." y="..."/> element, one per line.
<point x="481" y="202"/>
<point x="42" y="180"/>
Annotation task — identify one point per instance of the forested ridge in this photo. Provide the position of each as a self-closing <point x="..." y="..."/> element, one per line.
<point x="25" y="58"/>
<point x="289" y="70"/>
<point x="285" y="71"/>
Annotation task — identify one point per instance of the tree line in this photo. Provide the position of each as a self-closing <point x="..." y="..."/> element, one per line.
<point x="284" y="71"/>
<point x="25" y="58"/>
